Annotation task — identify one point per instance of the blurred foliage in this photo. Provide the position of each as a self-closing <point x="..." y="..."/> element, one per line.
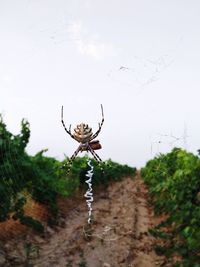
<point x="174" y="185"/>
<point x="43" y="178"/>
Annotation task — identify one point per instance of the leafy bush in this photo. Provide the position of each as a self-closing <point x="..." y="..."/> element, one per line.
<point x="174" y="186"/>
<point x="13" y="173"/>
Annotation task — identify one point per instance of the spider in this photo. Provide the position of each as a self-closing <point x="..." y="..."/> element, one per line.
<point x="84" y="135"/>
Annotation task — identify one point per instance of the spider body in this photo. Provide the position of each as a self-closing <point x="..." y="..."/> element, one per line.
<point x="84" y="135"/>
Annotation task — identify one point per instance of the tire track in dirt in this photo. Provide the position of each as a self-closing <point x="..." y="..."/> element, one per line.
<point x="118" y="236"/>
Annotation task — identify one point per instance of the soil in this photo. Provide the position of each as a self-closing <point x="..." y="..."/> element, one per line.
<point x="117" y="237"/>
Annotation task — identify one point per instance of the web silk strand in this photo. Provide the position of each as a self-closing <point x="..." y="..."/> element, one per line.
<point x="89" y="194"/>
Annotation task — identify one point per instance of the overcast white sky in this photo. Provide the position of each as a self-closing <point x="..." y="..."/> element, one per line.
<point x="139" y="58"/>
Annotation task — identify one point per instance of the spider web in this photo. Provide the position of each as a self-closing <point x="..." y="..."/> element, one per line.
<point x="140" y="72"/>
<point x="89" y="194"/>
<point x="160" y="142"/>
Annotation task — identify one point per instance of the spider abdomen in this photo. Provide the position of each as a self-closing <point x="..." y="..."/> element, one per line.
<point x="82" y="133"/>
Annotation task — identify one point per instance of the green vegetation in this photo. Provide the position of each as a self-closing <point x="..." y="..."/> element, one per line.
<point x="174" y="185"/>
<point x="83" y="262"/>
<point x="43" y="178"/>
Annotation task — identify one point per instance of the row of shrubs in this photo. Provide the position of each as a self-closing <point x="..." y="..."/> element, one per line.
<point x="43" y="178"/>
<point x="174" y="186"/>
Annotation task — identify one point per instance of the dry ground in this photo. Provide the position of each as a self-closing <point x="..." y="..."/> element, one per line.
<point x="118" y="236"/>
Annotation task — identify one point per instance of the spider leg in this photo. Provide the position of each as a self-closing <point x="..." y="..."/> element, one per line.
<point x="70" y="161"/>
<point x="100" y="125"/>
<point x="68" y="131"/>
<point x="97" y="158"/>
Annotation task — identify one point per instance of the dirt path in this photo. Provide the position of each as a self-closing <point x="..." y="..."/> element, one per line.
<point x="118" y="237"/>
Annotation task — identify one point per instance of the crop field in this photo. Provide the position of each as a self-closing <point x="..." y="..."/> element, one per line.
<point x="139" y="218"/>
